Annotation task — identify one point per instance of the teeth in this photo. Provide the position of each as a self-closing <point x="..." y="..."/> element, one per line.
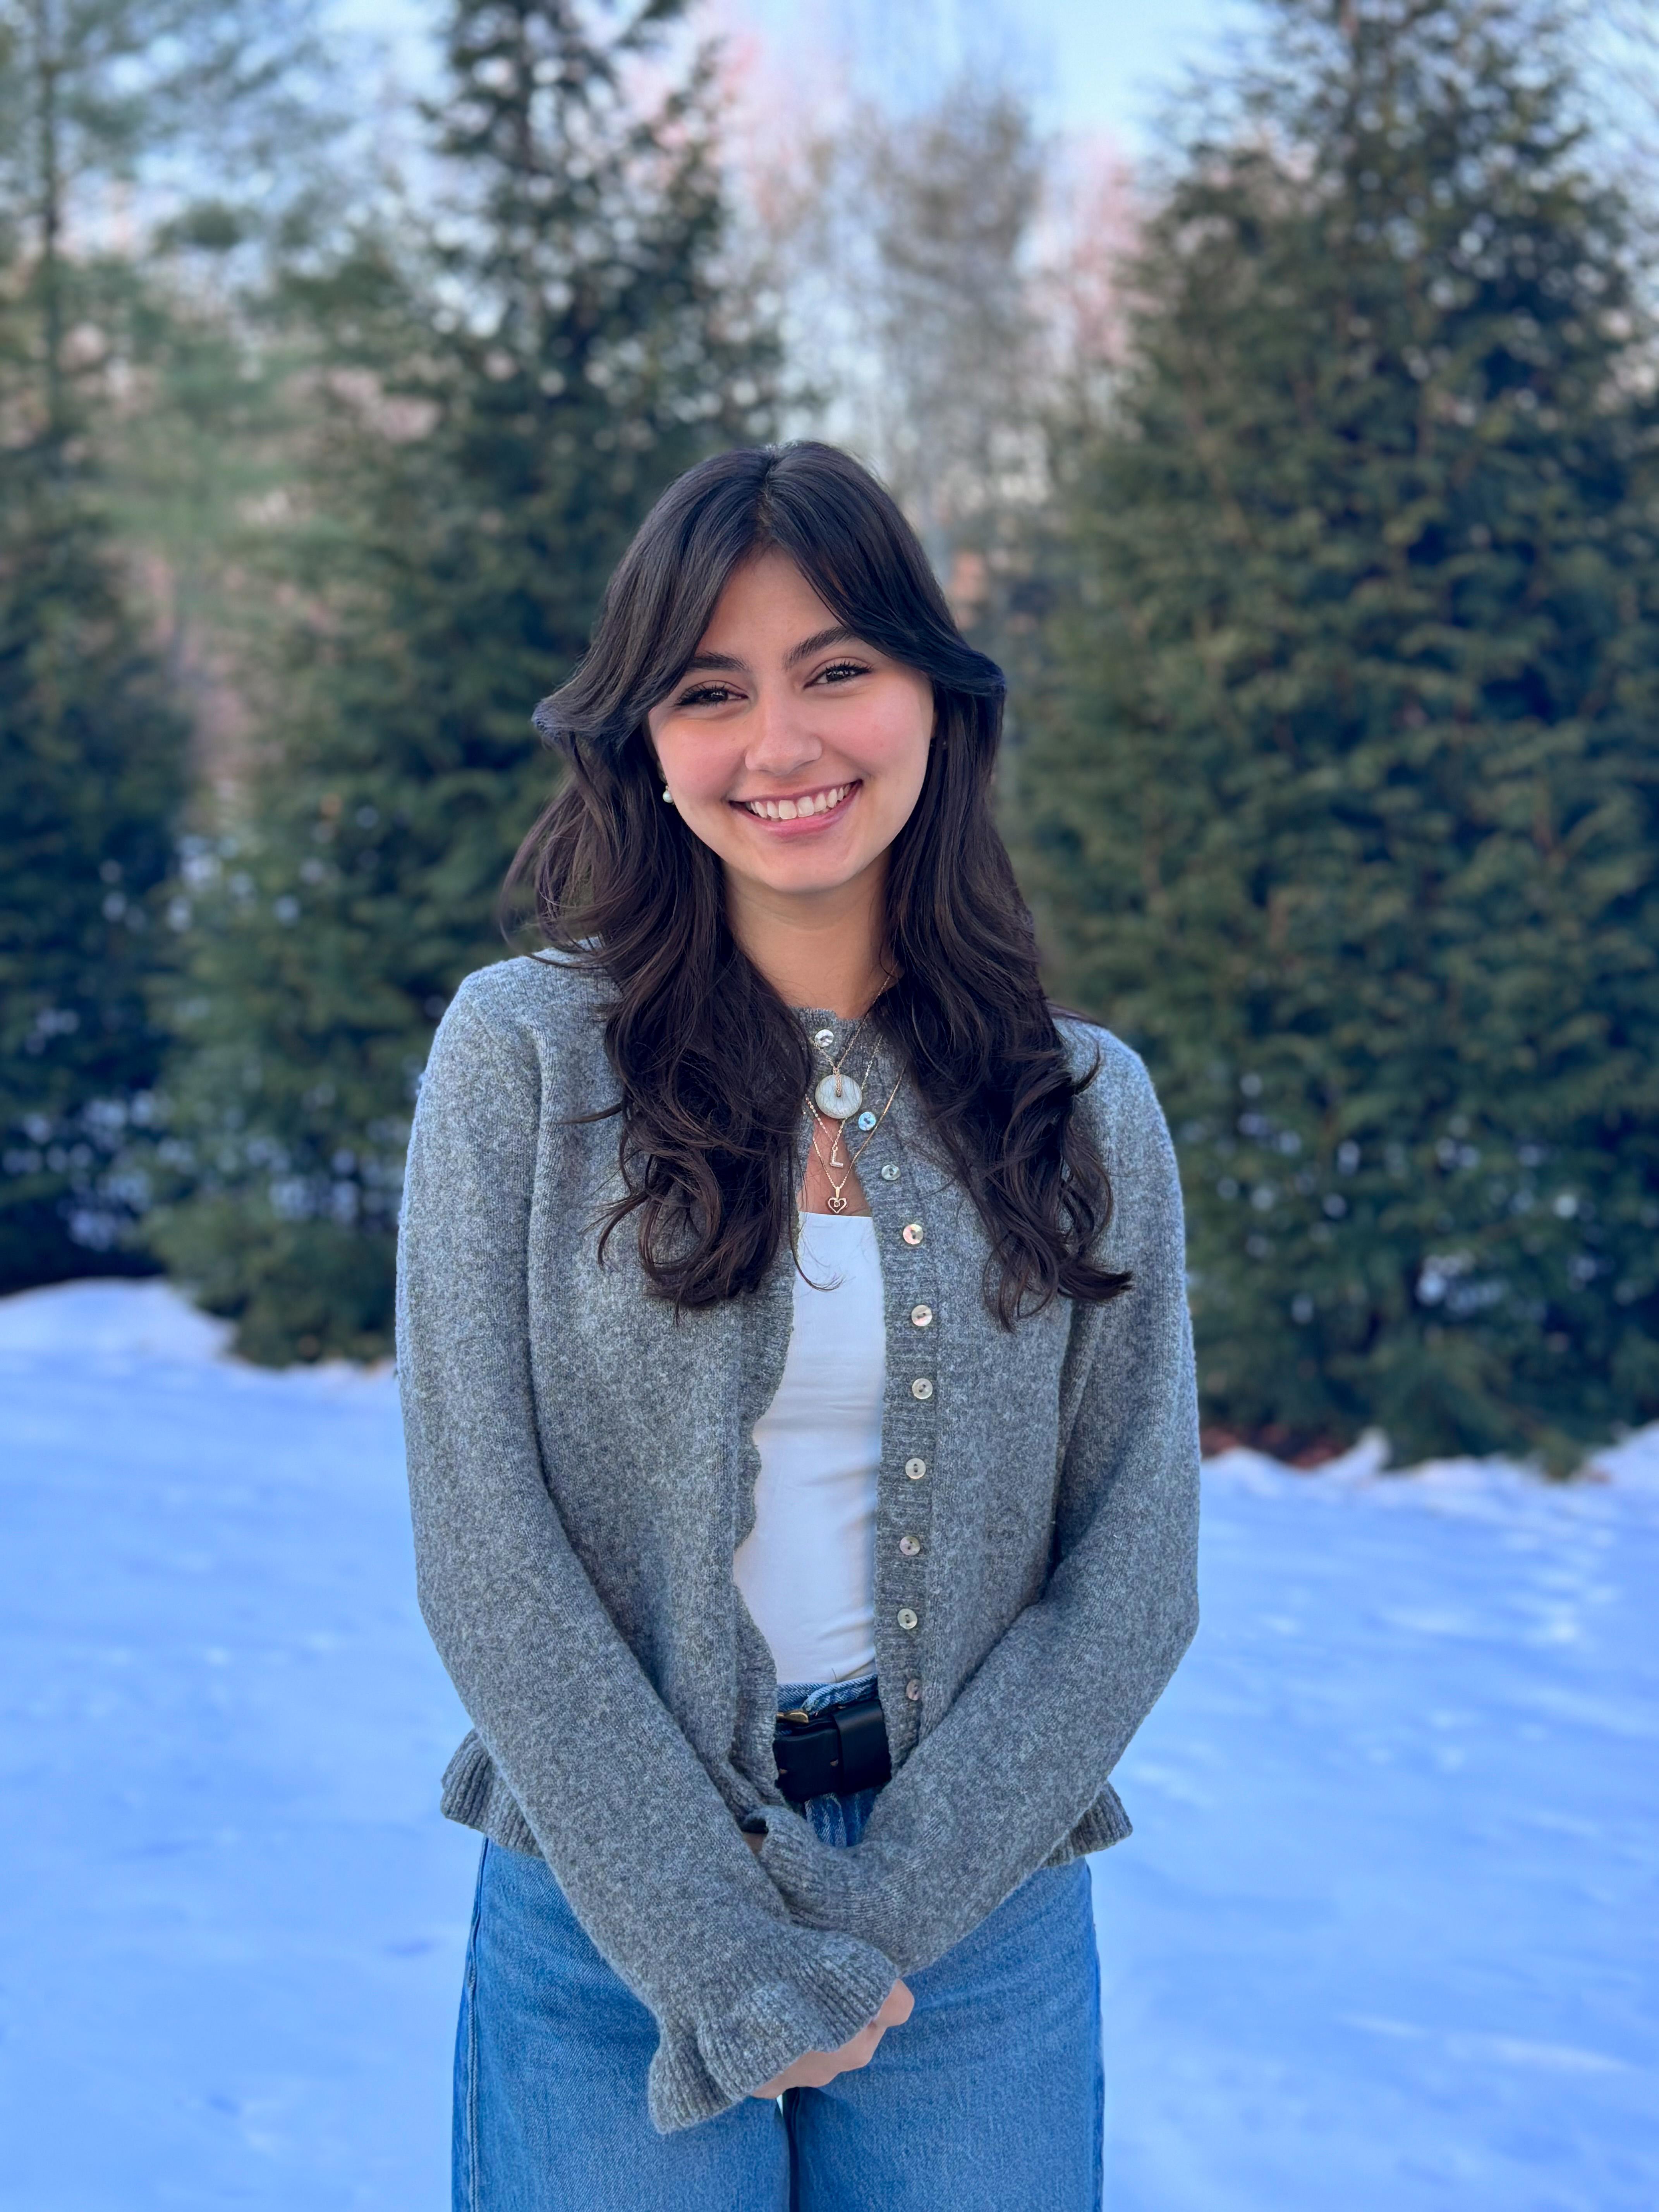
<point x="792" y="809"/>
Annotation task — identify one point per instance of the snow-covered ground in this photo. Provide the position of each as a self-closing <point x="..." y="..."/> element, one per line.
<point x="1385" y="1940"/>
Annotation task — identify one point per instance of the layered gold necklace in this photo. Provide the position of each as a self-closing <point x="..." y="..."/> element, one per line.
<point x="836" y="1100"/>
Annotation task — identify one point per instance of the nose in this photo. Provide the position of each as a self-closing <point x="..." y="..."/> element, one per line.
<point x="781" y="742"/>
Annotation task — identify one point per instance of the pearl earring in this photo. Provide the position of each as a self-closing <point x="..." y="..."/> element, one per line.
<point x="667" y="796"/>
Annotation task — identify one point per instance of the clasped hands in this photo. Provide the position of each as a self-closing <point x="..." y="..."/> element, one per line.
<point x="816" y="2070"/>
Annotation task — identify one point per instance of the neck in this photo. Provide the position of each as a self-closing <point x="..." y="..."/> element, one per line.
<point x="820" y="949"/>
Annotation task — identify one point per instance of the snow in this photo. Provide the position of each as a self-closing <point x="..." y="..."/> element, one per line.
<point x="109" y="1323"/>
<point x="1385" y="1936"/>
<point x="1384" y="1939"/>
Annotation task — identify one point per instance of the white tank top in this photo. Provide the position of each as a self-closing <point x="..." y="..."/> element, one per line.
<point x="807" y="1569"/>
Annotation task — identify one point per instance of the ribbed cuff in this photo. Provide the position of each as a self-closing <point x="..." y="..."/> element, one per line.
<point x="1104" y="1823"/>
<point x="702" y="2068"/>
<point x="475" y="1795"/>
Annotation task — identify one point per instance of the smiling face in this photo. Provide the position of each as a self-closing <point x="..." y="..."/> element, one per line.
<point x="791" y="748"/>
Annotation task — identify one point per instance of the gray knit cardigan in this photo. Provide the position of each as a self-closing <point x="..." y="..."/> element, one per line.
<point x="582" y="1469"/>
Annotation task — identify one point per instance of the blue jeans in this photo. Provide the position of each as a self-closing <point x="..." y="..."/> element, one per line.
<point x="988" y="2099"/>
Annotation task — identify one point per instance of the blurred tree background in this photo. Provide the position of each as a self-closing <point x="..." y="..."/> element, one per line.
<point x="1304" y="477"/>
<point x="497" y="389"/>
<point x="1343" y="796"/>
<point x="98" y="100"/>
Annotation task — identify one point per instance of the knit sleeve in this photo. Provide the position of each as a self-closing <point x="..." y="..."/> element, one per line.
<point x="640" y="1839"/>
<point x="1027" y="1748"/>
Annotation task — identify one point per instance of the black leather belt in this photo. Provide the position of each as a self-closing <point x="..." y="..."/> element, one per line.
<point x="843" y="1749"/>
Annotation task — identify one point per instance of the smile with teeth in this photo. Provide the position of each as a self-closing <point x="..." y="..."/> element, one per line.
<point x="795" y="810"/>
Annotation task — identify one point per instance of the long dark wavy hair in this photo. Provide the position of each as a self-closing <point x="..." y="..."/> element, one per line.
<point x="713" y="1068"/>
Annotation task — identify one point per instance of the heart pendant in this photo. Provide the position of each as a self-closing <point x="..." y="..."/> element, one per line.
<point x="837" y="1206"/>
<point x="838" y="1097"/>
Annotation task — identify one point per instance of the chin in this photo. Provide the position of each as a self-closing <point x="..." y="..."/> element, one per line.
<point x="814" y="875"/>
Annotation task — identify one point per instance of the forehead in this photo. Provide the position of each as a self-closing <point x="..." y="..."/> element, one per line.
<point x="766" y="605"/>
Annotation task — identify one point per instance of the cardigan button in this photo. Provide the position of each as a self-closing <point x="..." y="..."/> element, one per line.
<point x="913" y="1690"/>
<point x="890" y="1173"/>
<point x="823" y="1039"/>
<point x="915" y="1468"/>
<point x="921" y="1388"/>
<point x="922" y="1316"/>
<point x="906" y="1618"/>
<point x="910" y="1546"/>
<point x="911" y="1232"/>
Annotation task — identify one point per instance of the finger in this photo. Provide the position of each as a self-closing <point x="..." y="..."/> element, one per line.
<point x="814" y="2069"/>
<point x="861" y="2050"/>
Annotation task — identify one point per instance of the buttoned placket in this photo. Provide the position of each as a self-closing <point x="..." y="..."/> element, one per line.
<point x="911" y="1442"/>
<point x="909" y="1476"/>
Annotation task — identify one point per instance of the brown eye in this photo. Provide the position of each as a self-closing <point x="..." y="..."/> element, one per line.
<point x="839" y="671"/>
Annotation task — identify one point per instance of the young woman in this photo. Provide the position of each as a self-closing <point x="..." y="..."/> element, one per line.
<point x="799" y="1391"/>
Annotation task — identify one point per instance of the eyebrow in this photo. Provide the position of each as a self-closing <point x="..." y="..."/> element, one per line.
<point x="839" y="635"/>
<point x="727" y="664"/>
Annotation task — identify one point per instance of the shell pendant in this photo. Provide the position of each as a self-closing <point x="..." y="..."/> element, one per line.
<point x="838" y="1097"/>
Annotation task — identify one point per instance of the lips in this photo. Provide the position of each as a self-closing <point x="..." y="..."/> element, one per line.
<point x="805" y="806"/>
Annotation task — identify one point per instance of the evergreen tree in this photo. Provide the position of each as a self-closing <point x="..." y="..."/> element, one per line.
<point x="103" y="95"/>
<point x="1342" y="803"/>
<point x="496" y="414"/>
<point x="92" y="752"/>
<point x="91" y="773"/>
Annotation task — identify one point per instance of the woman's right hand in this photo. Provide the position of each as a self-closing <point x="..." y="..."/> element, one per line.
<point x="815" y="2070"/>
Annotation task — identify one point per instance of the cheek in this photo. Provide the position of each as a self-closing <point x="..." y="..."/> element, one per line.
<point x="896" y="742"/>
<point x="698" y="765"/>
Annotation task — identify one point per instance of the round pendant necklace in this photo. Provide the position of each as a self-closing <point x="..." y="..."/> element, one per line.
<point x="838" y="1097"/>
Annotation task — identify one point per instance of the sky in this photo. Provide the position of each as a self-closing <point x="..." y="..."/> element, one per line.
<point x="1093" y="68"/>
